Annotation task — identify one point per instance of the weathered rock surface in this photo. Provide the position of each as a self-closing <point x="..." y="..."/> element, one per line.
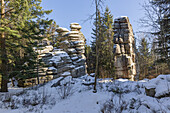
<point x="123" y="49"/>
<point x="73" y="43"/>
<point x="158" y="87"/>
<point x="68" y="60"/>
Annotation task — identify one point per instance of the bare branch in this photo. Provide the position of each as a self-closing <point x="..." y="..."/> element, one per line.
<point x="90" y="17"/>
<point x="7" y="11"/>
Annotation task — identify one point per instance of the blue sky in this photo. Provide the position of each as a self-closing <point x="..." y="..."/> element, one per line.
<point x="68" y="11"/>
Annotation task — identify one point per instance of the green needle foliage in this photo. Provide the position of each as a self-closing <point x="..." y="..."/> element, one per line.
<point x="105" y="44"/>
<point x="21" y="25"/>
<point x="144" y="57"/>
<point x="158" y="18"/>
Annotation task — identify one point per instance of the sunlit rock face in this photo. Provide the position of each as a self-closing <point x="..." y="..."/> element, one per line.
<point x="73" y="43"/>
<point x="66" y="60"/>
<point x="124" y="48"/>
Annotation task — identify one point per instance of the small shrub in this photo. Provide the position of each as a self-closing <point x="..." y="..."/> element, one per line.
<point x="114" y="106"/>
<point x="65" y="90"/>
<point x="107" y="107"/>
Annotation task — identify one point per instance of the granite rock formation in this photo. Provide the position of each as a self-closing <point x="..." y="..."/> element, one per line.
<point x="158" y="87"/>
<point x="73" y="43"/>
<point x="66" y="60"/>
<point x="124" y="48"/>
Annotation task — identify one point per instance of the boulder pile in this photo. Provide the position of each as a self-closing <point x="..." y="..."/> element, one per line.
<point x="158" y="87"/>
<point x="67" y="60"/>
<point x="73" y="43"/>
<point x="124" y="48"/>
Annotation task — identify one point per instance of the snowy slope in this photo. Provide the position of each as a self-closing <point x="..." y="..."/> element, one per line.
<point x="112" y="96"/>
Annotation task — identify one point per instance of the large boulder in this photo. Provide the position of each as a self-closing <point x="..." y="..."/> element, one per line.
<point x="158" y="87"/>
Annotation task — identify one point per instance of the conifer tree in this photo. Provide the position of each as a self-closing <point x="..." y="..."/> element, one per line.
<point x="88" y="54"/>
<point x="21" y="25"/>
<point x="97" y="36"/>
<point x="107" y="63"/>
<point x="144" y="56"/>
<point x="105" y="44"/>
<point x="157" y="17"/>
<point x="51" y="33"/>
<point x="162" y="34"/>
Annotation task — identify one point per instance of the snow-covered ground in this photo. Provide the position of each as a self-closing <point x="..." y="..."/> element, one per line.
<point x="69" y="95"/>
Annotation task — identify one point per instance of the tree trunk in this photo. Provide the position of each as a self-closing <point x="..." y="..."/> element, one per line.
<point x="38" y="71"/>
<point x="4" y="80"/>
<point x="97" y="56"/>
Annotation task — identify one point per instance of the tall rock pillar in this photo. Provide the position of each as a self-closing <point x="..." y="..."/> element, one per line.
<point x="124" y="49"/>
<point x="73" y="42"/>
<point x="77" y="44"/>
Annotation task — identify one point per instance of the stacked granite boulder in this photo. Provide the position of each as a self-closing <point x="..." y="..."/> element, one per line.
<point x="68" y="60"/>
<point x="124" y="48"/>
<point x="73" y="43"/>
<point x="60" y="64"/>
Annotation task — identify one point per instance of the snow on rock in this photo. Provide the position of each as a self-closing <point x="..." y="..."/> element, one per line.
<point x="72" y="50"/>
<point x="45" y="49"/>
<point x="66" y="74"/>
<point x="74" y="32"/>
<point x="113" y="96"/>
<point x="122" y="80"/>
<point x="60" y="53"/>
<point x="65" y="41"/>
<point x="51" y="68"/>
<point x="74" y="58"/>
<point x="92" y="74"/>
<point x="66" y="80"/>
<point x="75" y="26"/>
<point x="88" y="78"/>
<point x="61" y="29"/>
<point x="55" y="59"/>
<point x="161" y="85"/>
<point x="77" y="42"/>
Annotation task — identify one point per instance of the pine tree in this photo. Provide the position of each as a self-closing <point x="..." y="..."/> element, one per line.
<point x="51" y="33"/>
<point x="107" y="63"/>
<point x="157" y="17"/>
<point x="105" y="44"/>
<point x="97" y="3"/>
<point x="144" y="55"/>
<point x="3" y="54"/>
<point x="88" y="54"/>
<point x="21" y="25"/>
<point x="162" y="34"/>
<point x="95" y="44"/>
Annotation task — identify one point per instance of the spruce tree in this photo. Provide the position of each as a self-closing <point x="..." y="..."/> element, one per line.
<point x="95" y="44"/>
<point x="157" y="17"/>
<point x="144" y="56"/>
<point x="21" y="25"/>
<point x="88" y="54"/>
<point x="162" y="34"/>
<point x="107" y="58"/>
<point x="105" y="44"/>
<point x="51" y="33"/>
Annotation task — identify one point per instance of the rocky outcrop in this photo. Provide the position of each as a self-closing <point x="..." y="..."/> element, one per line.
<point x="45" y="53"/>
<point x="73" y="43"/>
<point x="67" y="60"/>
<point x="158" y="87"/>
<point x="124" y="48"/>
